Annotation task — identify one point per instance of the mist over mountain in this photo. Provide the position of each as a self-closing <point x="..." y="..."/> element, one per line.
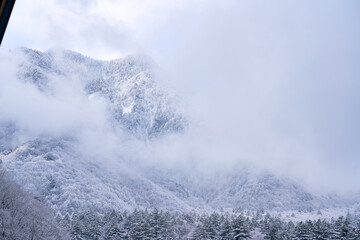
<point x="80" y="134"/>
<point x="180" y="120"/>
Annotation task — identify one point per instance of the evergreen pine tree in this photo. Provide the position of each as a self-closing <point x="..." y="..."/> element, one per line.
<point x="140" y="231"/>
<point x="272" y="232"/>
<point x="209" y="229"/>
<point x="346" y="230"/>
<point x="337" y="228"/>
<point x="320" y="230"/>
<point x="301" y="232"/>
<point x="240" y="229"/>
<point x="215" y="221"/>
<point x="199" y="233"/>
<point x="286" y="232"/>
<point x="357" y="231"/>
<point x="205" y="230"/>
<point x="225" y="230"/>
<point x="115" y="233"/>
<point x="159" y="225"/>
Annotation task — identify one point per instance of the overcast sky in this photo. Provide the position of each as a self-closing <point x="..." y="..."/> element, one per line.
<point x="273" y="82"/>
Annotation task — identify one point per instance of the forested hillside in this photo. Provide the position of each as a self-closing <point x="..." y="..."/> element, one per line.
<point x="24" y="217"/>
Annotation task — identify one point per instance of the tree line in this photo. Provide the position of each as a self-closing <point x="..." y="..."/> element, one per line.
<point x="155" y="224"/>
<point x="23" y="217"/>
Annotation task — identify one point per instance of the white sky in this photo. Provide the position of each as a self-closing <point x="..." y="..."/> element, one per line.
<point x="102" y="29"/>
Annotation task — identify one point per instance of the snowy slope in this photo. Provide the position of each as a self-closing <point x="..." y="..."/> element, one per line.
<point x="55" y="170"/>
<point x="138" y="105"/>
<point x="57" y="174"/>
<point x="247" y="188"/>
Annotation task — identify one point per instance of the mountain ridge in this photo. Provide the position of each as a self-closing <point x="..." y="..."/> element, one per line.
<point x="66" y="179"/>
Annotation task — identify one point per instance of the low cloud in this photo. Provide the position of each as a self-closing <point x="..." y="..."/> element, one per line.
<point x="272" y="84"/>
<point x="65" y="109"/>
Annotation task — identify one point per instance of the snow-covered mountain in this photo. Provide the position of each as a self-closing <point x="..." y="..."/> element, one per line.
<point x="56" y="171"/>
<point x="138" y="105"/>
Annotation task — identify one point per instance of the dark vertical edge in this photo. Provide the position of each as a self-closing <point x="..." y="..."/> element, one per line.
<point x="5" y="16"/>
